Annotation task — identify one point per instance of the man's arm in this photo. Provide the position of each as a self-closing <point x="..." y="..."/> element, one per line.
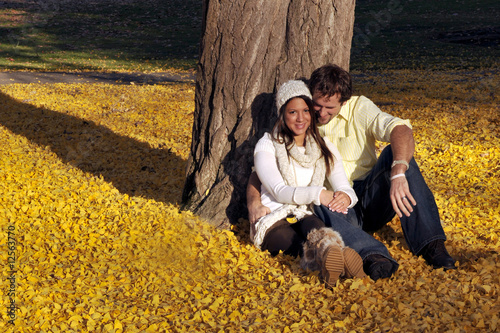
<point x="403" y="147"/>
<point x="254" y="204"/>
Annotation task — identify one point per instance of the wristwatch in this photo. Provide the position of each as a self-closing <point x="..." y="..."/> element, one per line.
<point x="400" y="162"/>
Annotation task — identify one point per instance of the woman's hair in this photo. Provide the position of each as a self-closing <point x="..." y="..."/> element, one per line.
<point x="283" y="134"/>
<point x="329" y="80"/>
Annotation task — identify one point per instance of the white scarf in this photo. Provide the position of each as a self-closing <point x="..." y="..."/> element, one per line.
<point x="311" y="158"/>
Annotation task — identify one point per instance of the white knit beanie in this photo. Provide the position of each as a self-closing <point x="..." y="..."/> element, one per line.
<point x="290" y="89"/>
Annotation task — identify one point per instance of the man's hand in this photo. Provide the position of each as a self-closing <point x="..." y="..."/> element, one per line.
<point x="255" y="207"/>
<point x="403" y="146"/>
<point x="401" y="198"/>
<point x="255" y="212"/>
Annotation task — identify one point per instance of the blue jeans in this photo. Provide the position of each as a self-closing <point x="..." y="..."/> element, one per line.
<point x="374" y="208"/>
<point x="349" y="227"/>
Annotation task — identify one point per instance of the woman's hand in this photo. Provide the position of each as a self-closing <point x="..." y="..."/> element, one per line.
<point x="325" y="197"/>
<point x="339" y="202"/>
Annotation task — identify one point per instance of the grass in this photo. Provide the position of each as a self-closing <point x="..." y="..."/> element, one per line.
<point x="419" y="34"/>
<point x="154" y="35"/>
<point x="144" y="36"/>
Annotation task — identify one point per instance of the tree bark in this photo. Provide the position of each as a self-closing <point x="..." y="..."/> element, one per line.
<point x="248" y="49"/>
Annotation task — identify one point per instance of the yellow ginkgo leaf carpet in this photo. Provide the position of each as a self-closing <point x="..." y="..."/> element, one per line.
<point x="92" y="238"/>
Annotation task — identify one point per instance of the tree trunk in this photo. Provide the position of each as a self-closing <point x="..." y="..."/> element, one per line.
<point x="249" y="48"/>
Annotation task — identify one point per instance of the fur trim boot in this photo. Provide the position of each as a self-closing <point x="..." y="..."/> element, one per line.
<point x="353" y="264"/>
<point x="326" y="252"/>
<point x="323" y="252"/>
<point x="308" y="259"/>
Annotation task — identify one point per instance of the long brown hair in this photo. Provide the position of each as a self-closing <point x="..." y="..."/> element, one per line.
<point x="283" y="134"/>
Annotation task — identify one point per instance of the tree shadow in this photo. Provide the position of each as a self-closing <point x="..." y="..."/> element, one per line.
<point x="134" y="168"/>
<point x="238" y="163"/>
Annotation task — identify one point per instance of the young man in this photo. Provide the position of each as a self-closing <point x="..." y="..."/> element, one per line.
<point x="389" y="185"/>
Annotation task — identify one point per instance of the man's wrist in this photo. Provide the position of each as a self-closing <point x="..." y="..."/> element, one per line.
<point x="399" y="175"/>
<point x="400" y="162"/>
<point x="397" y="169"/>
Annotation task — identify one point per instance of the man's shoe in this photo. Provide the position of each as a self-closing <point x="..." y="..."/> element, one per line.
<point x="436" y="255"/>
<point x="377" y="266"/>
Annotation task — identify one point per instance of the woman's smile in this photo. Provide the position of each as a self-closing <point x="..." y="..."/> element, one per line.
<point x="298" y="119"/>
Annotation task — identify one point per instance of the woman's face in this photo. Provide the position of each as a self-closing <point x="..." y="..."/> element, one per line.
<point x="297" y="118"/>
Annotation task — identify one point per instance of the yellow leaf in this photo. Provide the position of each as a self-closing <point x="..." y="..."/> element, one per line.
<point x="118" y="325"/>
<point x="297" y="287"/>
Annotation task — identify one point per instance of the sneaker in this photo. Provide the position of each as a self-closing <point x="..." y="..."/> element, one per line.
<point x="436" y="255"/>
<point x="378" y="267"/>
<point x="353" y="264"/>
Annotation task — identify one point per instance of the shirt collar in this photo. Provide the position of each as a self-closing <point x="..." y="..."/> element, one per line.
<point x="345" y="110"/>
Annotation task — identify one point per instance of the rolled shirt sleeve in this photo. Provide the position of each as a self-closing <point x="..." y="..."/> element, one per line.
<point x="381" y="124"/>
<point x="355" y="130"/>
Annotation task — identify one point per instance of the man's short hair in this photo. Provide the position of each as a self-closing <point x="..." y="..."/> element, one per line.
<point x="329" y="80"/>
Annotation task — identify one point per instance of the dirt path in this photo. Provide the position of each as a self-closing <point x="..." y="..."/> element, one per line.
<point x="92" y="77"/>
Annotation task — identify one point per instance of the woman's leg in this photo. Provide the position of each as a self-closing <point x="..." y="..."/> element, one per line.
<point x="289" y="237"/>
<point x="307" y="224"/>
<point x="282" y="237"/>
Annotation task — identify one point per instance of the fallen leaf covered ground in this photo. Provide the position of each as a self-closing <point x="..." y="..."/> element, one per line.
<point x="90" y="182"/>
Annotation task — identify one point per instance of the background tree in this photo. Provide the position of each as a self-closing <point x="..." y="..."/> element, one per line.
<point x="249" y="48"/>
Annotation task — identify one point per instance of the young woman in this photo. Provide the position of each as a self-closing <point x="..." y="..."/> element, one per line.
<point x="292" y="163"/>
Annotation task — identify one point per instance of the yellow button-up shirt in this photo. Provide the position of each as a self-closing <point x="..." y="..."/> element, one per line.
<point x="359" y="124"/>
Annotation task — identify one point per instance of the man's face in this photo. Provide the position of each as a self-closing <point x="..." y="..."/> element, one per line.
<point x="326" y="107"/>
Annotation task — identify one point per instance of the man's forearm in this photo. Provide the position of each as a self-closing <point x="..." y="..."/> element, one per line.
<point x="254" y="204"/>
<point x="403" y="147"/>
<point x="253" y="190"/>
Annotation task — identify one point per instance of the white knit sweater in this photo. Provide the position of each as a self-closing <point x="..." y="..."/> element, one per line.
<point x="275" y="193"/>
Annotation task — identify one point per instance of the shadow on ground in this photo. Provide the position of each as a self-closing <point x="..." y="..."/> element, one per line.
<point x="133" y="167"/>
<point x="12" y="77"/>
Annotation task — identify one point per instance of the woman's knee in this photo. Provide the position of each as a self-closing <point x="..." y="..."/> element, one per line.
<point x="282" y="239"/>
